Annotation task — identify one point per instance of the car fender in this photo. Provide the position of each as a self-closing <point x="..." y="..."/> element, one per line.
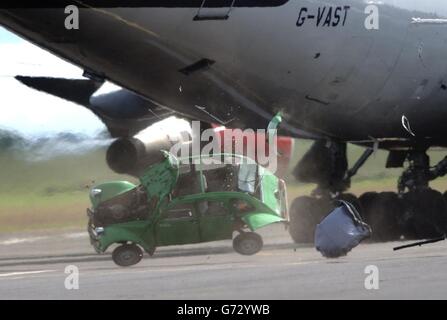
<point x="259" y="220"/>
<point x="122" y="233"/>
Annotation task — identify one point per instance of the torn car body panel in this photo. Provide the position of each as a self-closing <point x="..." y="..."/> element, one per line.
<point x="256" y="221"/>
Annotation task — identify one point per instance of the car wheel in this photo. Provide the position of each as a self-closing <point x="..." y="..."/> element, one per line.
<point x="127" y="255"/>
<point x="247" y="243"/>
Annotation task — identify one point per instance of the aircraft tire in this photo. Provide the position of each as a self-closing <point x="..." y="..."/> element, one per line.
<point x="366" y="201"/>
<point x="352" y="199"/>
<point x="305" y="214"/>
<point x="426" y="214"/>
<point x="382" y="212"/>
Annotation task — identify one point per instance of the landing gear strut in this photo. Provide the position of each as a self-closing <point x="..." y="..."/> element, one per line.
<point x="425" y="211"/>
<point x="419" y="173"/>
<point x="326" y="165"/>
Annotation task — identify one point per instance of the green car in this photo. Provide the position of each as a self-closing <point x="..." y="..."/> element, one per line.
<point x="186" y="201"/>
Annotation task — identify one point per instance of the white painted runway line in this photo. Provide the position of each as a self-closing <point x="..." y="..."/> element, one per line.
<point x="76" y="235"/>
<point x="15" y="274"/>
<point x="17" y="240"/>
<point x="13" y="241"/>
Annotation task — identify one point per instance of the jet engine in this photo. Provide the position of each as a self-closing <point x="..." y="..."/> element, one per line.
<point x="132" y="155"/>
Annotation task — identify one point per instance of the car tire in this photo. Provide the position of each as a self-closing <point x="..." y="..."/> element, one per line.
<point x="248" y="243"/>
<point x="127" y="255"/>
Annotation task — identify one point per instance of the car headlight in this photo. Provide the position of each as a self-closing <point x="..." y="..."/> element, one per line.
<point x="99" y="231"/>
<point x="95" y="193"/>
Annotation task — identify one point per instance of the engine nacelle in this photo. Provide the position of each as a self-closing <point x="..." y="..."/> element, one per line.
<point x="133" y="155"/>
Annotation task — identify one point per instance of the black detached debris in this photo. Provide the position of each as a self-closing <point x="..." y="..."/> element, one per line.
<point x="341" y="231"/>
<point x="421" y="243"/>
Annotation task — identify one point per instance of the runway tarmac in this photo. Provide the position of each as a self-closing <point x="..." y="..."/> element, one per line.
<point x="32" y="266"/>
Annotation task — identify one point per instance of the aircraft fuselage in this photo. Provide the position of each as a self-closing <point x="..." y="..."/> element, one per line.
<point x="334" y="68"/>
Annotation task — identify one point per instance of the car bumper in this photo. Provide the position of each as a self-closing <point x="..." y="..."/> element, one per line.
<point x="94" y="232"/>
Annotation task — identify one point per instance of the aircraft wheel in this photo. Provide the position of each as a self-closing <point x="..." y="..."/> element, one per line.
<point x="425" y="214"/>
<point x="352" y="199"/>
<point x="305" y="214"/>
<point x="247" y="243"/>
<point x="366" y="201"/>
<point x="382" y="211"/>
<point x="127" y="255"/>
<point x="445" y="196"/>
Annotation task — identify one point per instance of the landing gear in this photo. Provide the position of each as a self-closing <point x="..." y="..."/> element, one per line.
<point x="425" y="214"/>
<point x="332" y="181"/>
<point x="415" y="212"/>
<point x="127" y="255"/>
<point x="247" y="243"/>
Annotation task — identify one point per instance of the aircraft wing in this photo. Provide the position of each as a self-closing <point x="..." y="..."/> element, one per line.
<point x="123" y="112"/>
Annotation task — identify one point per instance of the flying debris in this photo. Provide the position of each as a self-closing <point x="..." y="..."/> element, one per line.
<point x="341" y="231"/>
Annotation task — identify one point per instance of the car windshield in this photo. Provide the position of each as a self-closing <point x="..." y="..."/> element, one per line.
<point x="247" y="177"/>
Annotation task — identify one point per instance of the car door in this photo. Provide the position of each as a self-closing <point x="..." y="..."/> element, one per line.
<point x="178" y="225"/>
<point x="215" y="220"/>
